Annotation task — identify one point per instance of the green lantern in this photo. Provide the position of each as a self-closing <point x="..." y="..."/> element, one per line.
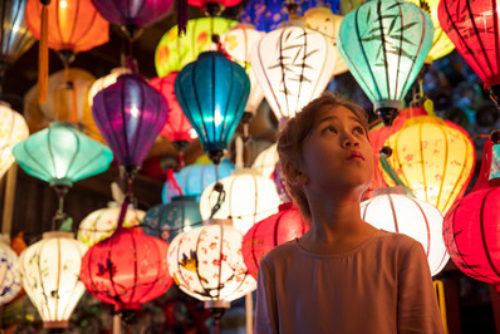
<point x="174" y="51"/>
<point x="61" y="155"/>
<point x="384" y="44"/>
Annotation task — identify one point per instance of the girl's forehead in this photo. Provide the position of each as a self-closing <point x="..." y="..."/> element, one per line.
<point x="338" y="112"/>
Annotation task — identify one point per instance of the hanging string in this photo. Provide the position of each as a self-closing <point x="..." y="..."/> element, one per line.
<point x="43" y="54"/>
<point x="182" y="16"/>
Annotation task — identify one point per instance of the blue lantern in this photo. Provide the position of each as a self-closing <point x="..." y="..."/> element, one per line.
<point x="213" y="92"/>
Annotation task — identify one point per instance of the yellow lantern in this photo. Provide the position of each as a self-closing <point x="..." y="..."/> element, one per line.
<point x="434" y="158"/>
<point x="13" y="129"/>
<point x="321" y="19"/>
<point x="441" y="44"/>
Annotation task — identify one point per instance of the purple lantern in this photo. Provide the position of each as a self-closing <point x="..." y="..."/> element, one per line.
<point x="130" y="114"/>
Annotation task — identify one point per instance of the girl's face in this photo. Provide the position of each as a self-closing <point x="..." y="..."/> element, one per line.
<point x="337" y="154"/>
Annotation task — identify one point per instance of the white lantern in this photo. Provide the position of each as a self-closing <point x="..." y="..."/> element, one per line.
<point x="321" y="19"/>
<point x="50" y="272"/>
<point x="266" y="161"/>
<point x="207" y="264"/>
<point x="10" y="280"/>
<point x="106" y="81"/>
<point x="101" y="223"/>
<point x="391" y="210"/>
<point x="13" y="129"/>
<point x="249" y="198"/>
<point x="293" y="65"/>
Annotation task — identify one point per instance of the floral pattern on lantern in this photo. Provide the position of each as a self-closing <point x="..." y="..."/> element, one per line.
<point x="50" y="275"/>
<point x="266" y="161"/>
<point x="15" y="38"/>
<point x="207" y="263"/>
<point x="10" y="279"/>
<point x="13" y="129"/>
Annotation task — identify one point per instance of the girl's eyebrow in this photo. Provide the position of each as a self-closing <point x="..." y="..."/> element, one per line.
<point x="336" y="118"/>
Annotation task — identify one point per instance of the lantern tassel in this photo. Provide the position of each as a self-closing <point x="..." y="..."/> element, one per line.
<point x="74" y="104"/>
<point x="171" y="180"/>
<point x="182" y="16"/>
<point x="439" y="288"/>
<point x="392" y="174"/>
<point x="43" y="54"/>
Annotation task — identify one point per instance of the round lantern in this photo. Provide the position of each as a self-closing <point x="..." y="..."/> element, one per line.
<point x="213" y="92"/>
<point x="207" y="264"/>
<point x="50" y="274"/>
<point x="13" y="129"/>
<point x="279" y="228"/>
<point x="130" y="115"/>
<point x="322" y="20"/>
<point x="174" y="51"/>
<point x="434" y="158"/>
<point x="177" y="128"/>
<point x="10" y="280"/>
<point x="166" y="221"/>
<point x="293" y="65"/>
<point x="193" y="179"/>
<point x="248" y="198"/>
<point x="384" y="44"/>
<point x="62" y="155"/>
<point x="391" y="210"/>
<point x="105" y="82"/>
<point x="474" y="31"/>
<point x="127" y="269"/>
<point x="266" y="161"/>
<point x="101" y="223"/>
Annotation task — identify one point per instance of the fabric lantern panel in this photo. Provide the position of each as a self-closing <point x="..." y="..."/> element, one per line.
<point x="293" y="65"/>
<point x="49" y="272"/>
<point x="62" y="155"/>
<point x="391" y="210"/>
<point x="13" y="129"/>
<point x="275" y="230"/>
<point x="174" y="52"/>
<point x="266" y="161"/>
<point x="15" y="38"/>
<point x="207" y="263"/>
<point x="10" y="279"/>
<point x="434" y="158"/>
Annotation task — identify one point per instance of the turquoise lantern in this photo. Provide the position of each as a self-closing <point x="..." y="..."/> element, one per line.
<point x="213" y="92"/>
<point x="384" y="44"/>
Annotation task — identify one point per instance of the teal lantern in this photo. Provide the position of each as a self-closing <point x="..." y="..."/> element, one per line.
<point x="384" y="44"/>
<point x="213" y="92"/>
<point x="61" y="155"/>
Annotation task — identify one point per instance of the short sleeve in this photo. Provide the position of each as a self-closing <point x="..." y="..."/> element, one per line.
<point x="418" y="311"/>
<point x="265" y="309"/>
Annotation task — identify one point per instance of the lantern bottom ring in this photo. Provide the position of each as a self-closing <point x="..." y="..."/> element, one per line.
<point x="56" y="324"/>
<point x="211" y="304"/>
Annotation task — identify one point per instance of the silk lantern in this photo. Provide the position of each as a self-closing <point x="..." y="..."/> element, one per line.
<point x="50" y="275"/>
<point x="166" y="221"/>
<point x="62" y="155"/>
<point x="434" y="158"/>
<point x="100" y="224"/>
<point x="207" y="264"/>
<point x="266" y="161"/>
<point x="384" y="44"/>
<point x="213" y="92"/>
<point x="174" y="52"/>
<point x="470" y="227"/>
<point x="248" y="198"/>
<point x="321" y="19"/>
<point x="130" y="115"/>
<point x="177" y="128"/>
<point x="13" y="129"/>
<point x="293" y="65"/>
<point x="473" y="28"/>
<point x="391" y="210"/>
<point x="279" y="228"/>
<point x="10" y="280"/>
<point x="127" y="269"/>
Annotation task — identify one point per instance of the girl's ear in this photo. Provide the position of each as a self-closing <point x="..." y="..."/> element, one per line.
<point x="293" y="175"/>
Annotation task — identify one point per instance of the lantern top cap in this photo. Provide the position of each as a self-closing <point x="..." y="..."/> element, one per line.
<point x="396" y="104"/>
<point x="389" y="191"/>
<point x="217" y="304"/>
<point x="183" y="198"/>
<point x="320" y="10"/>
<point x="218" y="221"/>
<point x="243" y="26"/>
<point x="207" y="54"/>
<point x="295" y="22"/>
<point x="57" y="234"/>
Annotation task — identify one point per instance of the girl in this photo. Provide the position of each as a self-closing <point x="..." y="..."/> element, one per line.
<point x="343" y="275"/>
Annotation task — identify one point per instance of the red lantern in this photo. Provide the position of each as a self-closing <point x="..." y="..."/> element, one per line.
<point x="127" y="269"/>
<point x="470" y="228"/>
<point x="279" y="228"/>
<point x="177" y="128"/>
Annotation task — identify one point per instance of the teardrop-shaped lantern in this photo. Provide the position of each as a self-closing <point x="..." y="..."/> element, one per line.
<point x="293" y="65"/>
<point x="213" y="92"/>
<point x="13" y="129"/>
<point x="62" y="155"/>
<point x="384" y="44"/>
<point x="130" y="114"/>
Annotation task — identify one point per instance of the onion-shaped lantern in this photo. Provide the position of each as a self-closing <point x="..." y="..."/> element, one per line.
<point x="246" y="197"/>
<point x="127" y="269"/>
<point x="213" y="92"/>
<point x="266" y="161"/>
<point x="279" y="228"/>
<point x="13" y="129"/>
<point x="384" y="44"/>
<point x="391" y="210"/>
<point x="434" y="158"/>
<point x="293" y="65"/>
<point x="207" y="264"/>
<point x="101" y="223"/>
<point x="50" y="274"/>
<point x="10" y="279"/>
<point x="166" y="221"/>
<point x="175" y="51"/>
<point x="130" y="115"/>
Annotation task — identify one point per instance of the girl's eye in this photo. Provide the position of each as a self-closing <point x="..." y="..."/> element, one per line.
<point x="330" y="129"/>
<point x="360" y="130"/>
